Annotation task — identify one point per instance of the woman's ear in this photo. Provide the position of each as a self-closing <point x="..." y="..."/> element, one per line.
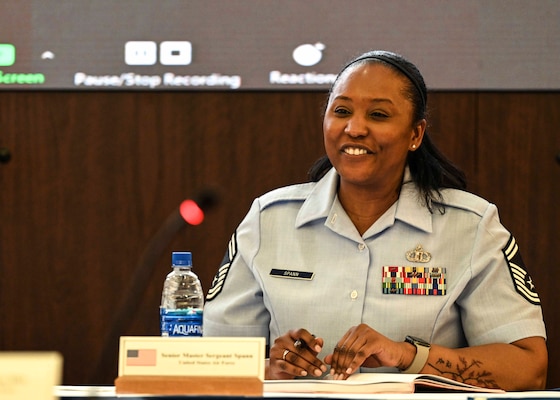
<point x="417" y="134"/>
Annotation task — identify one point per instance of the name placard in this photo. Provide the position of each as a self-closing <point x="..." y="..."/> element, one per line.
<point x="192" y="356"/>
<point x="29" y="375"/>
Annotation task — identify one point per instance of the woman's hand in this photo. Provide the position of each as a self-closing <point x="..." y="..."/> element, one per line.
<point x="295" y="354"/>
<point x="364" y="346"/>
<point x="493" y="365"/>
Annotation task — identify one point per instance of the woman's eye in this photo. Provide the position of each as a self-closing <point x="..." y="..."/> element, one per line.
<point x="342" y="111"/>
<point x="379" y="114"/>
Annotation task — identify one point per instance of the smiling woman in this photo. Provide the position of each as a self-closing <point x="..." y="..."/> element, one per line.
<point x="406" y="98"/>
<point x="369" y="131"/>
<point x="418" y="271"/>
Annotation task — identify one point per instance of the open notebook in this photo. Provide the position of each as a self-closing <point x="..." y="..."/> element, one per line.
<point x="373" y="383"/>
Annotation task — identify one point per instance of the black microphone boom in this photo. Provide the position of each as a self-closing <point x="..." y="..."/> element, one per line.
<point x="205" y="200"/>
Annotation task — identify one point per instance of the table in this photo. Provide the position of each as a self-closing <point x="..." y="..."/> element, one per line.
<point x="108" y="393"/>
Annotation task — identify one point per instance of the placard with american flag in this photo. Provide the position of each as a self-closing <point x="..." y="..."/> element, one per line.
<point x="191" y="356"/>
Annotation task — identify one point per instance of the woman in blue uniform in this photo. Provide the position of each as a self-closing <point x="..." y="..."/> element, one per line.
<point x="382" y="261"/>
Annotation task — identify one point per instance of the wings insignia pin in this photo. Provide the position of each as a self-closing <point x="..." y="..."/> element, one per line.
<point x="418" y="255"/>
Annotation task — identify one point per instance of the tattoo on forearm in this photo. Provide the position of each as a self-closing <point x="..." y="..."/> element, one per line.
<point x="465" y="372"/>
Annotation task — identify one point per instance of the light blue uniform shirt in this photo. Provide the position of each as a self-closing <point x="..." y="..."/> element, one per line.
<point x="297" y="261"/>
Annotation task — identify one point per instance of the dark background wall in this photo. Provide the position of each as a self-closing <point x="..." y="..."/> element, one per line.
<point x="94" y="175"/>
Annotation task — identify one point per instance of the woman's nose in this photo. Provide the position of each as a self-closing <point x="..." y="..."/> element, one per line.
<point x="356" y="126"/>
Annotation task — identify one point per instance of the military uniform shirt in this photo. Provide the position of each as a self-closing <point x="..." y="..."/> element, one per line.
<point x="297" y="261"/>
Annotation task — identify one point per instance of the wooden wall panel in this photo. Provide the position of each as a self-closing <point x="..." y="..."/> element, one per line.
<point x="518" y="142"/>
<point x="94" y="176"/>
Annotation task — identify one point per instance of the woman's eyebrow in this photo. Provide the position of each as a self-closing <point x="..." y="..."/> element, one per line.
<point x="372" y="100"/>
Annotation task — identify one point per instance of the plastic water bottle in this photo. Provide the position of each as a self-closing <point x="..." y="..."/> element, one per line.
<point x="182" y="299"/>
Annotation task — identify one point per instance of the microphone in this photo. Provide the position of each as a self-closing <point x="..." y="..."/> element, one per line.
<point x="190" y="212"/>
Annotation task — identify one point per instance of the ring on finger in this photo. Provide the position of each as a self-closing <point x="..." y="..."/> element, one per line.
<point x="297" y="344"/>
<point x="285" y="354"/>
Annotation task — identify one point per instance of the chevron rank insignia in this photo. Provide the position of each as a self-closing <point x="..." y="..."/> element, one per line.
<point x="220" y="278"/>
<point x="521" y="279"/>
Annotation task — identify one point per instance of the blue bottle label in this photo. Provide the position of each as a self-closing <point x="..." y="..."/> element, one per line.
<point x="181" y="322"/>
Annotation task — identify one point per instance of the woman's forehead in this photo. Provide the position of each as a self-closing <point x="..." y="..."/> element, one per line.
<point x="369" y="77"/>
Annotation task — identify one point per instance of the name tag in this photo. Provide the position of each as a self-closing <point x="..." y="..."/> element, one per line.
<point x="192" y="356"/>
<point x="423" y="281"/>
<point x="286" y="273"/>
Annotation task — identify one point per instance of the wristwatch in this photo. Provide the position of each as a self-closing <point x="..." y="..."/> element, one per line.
<point x="422" y="352"/>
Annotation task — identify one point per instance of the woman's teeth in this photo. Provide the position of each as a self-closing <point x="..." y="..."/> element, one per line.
<point x="354" y="152"/>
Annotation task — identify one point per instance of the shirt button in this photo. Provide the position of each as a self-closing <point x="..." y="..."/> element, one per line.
<point x="361" y="246"/>
<point x="354" y="294"/>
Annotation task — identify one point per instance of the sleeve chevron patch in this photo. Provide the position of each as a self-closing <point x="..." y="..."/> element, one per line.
<point x="521" y="279"/>
<point x="220" y="278"/>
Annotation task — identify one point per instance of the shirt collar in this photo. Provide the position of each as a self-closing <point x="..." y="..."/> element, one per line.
<point x="319" y="202"/>
<point x="409" y="208"/>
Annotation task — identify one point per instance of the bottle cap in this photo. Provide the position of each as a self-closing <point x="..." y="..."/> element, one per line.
<point x="181" y="258"/>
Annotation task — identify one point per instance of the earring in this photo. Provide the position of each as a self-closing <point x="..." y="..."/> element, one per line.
<point x="413" y="146"/>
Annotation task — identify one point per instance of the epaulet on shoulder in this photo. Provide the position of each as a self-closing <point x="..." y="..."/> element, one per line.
<point x="464" y="200"/>
<point x="298" y="192"/>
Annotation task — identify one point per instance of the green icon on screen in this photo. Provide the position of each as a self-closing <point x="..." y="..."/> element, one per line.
<point x="7" y="54"/>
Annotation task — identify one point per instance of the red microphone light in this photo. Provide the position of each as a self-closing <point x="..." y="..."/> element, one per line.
<point x="191" y="212"/>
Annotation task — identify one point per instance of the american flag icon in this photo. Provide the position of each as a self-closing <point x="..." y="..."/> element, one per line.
<point x="141" y="357"/>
